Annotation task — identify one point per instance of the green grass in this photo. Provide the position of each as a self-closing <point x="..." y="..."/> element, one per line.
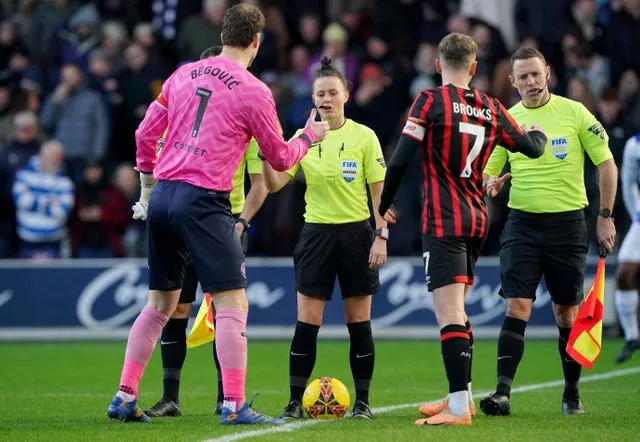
<point x="56" y="392"/>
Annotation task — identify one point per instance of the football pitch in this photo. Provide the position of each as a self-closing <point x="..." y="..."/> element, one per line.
<point x="60" y="392"/>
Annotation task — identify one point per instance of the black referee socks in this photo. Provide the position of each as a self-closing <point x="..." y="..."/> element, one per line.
<point x="510" y="351"/>
<point x="456" y="353"/>
<point x="361" y="357"/>
<point x="219" y="372"/>
<point x="302" y="358"/>
<point x="173" y="346"/>
<point x="570" y="368"/>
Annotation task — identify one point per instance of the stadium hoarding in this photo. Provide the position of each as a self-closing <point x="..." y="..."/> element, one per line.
<point x="99" y="299"/>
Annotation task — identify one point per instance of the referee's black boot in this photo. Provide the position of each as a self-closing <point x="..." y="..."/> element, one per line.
<point x="293" y="410"/>
<point x="361" y="410"/>
<point x="572" y="406"/>
<point x="164" y="408"/>
<point x="496" y="404"/>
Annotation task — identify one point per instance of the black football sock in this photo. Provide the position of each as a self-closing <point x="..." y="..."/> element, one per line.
<point x="570" y="367"/>
<point x="173" y="346"/>
<point x="470" y="333"/>
<point x="302" y="358"/>
<point x="510" y="351"/>
<point x="361" y="357"/>
<point x="219" y="374"/>
<point x="455" y="354"/>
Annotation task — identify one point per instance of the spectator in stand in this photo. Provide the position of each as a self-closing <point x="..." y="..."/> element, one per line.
<point x="139" y="85"/>
<point x="44" y="196"/>
<point x="16" y="156"/>
<point x="76" y="40"/>
<point x="100" y="217"/>
<point x="335" y="47"/>
<point x="126" y="179"/>
<point x="75" y="115"/>
<point x="201" y="31"/>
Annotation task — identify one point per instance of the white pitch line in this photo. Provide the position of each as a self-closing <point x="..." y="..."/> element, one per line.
<point x="288" y="428"/>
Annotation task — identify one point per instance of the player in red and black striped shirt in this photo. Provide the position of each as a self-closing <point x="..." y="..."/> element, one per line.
<point x="456" y="129"/>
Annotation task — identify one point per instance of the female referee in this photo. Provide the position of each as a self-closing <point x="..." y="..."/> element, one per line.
<point x="337" y="239"/>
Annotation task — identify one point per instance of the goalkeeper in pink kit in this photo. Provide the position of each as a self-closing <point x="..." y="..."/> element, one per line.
<point x="211" y="108"/>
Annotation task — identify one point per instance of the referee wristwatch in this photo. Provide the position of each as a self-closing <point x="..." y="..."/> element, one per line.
<point x="244" y="222"/>
<point x="382" y="233"/>
<point x="605" y="213"/>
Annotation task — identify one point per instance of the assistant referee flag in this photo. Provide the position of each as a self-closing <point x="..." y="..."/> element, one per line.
<point x="585" y="340"/>
<point x="203" y="327"/>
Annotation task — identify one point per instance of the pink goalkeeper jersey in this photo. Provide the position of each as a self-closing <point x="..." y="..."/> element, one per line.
<point x="211" y="108"/>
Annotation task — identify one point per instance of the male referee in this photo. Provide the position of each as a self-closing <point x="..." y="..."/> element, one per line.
<point x="546" y="233"/>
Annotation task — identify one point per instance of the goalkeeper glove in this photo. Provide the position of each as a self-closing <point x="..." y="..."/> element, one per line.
<point x="147" y="181"/>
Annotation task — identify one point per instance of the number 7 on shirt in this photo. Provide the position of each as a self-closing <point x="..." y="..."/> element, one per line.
<point x="478" y="131"/>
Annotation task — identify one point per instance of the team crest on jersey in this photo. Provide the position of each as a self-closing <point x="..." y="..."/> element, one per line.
<point x="560" y="147"/>
<point x="349" y="170"/>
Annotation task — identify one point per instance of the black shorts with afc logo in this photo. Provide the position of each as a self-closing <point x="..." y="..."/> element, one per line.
<point x="325" y="251"/>
<point x="553" y="245"/>
<point x="190" y="280"/>
<point x="449" y="260"/>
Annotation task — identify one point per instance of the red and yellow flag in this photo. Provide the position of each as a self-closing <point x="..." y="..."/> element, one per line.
<point x="203" y="328"/>
<point x="585" y="340"/>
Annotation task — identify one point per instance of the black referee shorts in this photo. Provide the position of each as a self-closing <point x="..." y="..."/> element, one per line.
<point x="553" y="245"/>
<point x="449" y="260"/>
<point x="190" y="281"/>
<point x="182" y="219"/>
<point x="325" y="251"/>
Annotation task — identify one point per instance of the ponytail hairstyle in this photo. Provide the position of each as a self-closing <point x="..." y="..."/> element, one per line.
<point x="327" y="70"/>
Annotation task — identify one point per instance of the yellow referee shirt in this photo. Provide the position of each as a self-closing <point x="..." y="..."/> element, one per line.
<point x="554" y="182"/>
<point x="249" y="162"/>
<point x="337" y="171"/>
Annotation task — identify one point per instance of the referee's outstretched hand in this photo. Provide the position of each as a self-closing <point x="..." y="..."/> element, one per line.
<point x="319" y="128"/>
<point x="495" y="184"/>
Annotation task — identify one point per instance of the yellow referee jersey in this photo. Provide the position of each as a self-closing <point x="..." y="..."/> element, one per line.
<point x="337" y="171"/>
<point x="554" y="182"/>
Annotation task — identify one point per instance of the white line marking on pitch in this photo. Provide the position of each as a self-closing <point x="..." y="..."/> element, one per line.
<point x="287" y="428"/>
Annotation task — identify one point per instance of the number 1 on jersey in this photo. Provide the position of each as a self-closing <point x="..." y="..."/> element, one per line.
<point x="205" y="95"/>
<point x="478" y="131"/>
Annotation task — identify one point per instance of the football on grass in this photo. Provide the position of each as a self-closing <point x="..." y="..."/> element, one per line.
<point x="326" y="398"/>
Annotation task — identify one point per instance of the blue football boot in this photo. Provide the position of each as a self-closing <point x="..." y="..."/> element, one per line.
<point x="126" y="411"/>
<point x="247" y="416"/>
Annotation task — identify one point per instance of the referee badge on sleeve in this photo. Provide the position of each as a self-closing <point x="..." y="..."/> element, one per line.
<point x="349" y="170"/>
<point x="560" y="147"/>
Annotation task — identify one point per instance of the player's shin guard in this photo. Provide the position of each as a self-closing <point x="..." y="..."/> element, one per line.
<point x="570" y="368"/>
<point x="470" y="333"/>
<point x="231" y="337"/>
<point x="627" y="307"/>
<point x="173" y="347"/>
<point x="361" y="357"/>
<point x="510" y="351"/>
<point x="456" y="354"/>
<point x="142" y="339"/>
<point x="302" y="358"/>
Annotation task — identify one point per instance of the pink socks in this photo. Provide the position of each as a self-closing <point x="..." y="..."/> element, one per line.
<point x="142" y="339"/>
<point x="231" y="345"/>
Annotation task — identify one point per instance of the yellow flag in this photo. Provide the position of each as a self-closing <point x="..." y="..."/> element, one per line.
<point x="202" y="331"/>
<point x="585" y="339"/>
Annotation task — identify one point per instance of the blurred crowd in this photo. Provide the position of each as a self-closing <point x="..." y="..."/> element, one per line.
<point x="76" y="78"/>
